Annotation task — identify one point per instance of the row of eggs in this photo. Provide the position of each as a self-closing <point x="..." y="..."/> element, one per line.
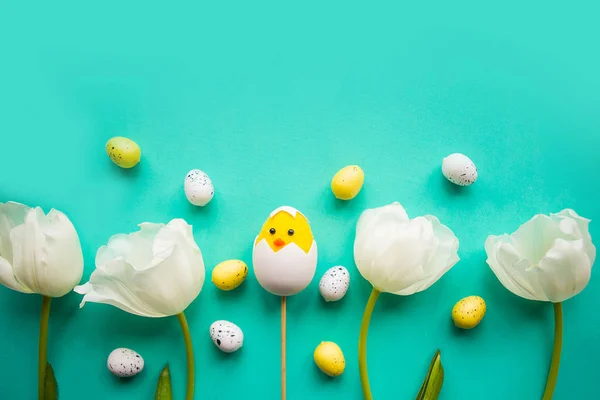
<point x="125" y="363"/>
<point x="345" y="184"/>
<point x="333" y="285"/>
<point x="328" y="356"/>
<point x="228" y="337"/>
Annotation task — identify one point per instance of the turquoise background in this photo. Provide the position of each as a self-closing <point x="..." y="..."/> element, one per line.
<point x="271" y="98"/>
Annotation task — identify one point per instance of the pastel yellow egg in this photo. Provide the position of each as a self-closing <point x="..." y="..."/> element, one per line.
<point x="330" y="359"/>
<point x="347" y="182"/>
<point x="229" y="274"/>
<point x="468" y="312"/>
<point x="123" y="151"/>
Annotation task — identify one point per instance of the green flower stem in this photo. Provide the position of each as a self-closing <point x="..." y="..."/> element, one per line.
<point x="43" y="345"/>
<point x="362" y="344"/>
<point x="553" y="374"/>
<point x="190" y="356"/>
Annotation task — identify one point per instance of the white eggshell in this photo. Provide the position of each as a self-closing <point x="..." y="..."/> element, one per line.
<point x="459" y="169"/>
<point x="334" y="283"/>
<point x="227" y="336"/>
<point x="287" y="272"/>
<point x="198" y="188"/>
<point x="125" y="363"/>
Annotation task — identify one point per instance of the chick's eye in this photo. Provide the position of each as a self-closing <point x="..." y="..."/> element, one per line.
<point x="291" y="232"/>
<point x="272" y="231"/>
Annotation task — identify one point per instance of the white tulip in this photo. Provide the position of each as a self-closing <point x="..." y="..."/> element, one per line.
<point x="154" y="272"/>
<point x="400" y="255"/>
<point x="549" y="258"/>
<point x="39" y="253"/>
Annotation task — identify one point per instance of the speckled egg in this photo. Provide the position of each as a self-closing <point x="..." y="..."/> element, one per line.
<point x="123" y="152"/>
<point x="334" y="283"/>
<point x="347" y="182"/>
<point x="229" y="274"/>
<point x="198" y="188"/>
<point x="125" y="363"/>
<point x="330" y="359"/>
<point x="227" y="336"/>
<point x="468" y="312"/>
<point x="459" y="169"/>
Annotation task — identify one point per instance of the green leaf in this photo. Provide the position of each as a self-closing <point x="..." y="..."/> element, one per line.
<point x="432" y="385"/>
<point x="163" y="389"/>
<point x="50" y="385"/>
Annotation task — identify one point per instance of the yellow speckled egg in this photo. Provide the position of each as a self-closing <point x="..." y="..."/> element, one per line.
<point x="330" y="359"/>
<point x="123" y="151"/>
<point x="229" y="274"/>
<point x="347" y="182"/>
<point x="468" y="312"/>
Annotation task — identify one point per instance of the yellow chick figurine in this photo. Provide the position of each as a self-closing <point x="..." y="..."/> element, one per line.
<point x="285" y="253"/>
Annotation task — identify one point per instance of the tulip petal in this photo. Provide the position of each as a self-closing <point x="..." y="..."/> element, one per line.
<point x="393" y="213"/>
<point x="135" y="248"/>
<point x="7" y="278"/>
<point x="11" y="214"/>
<point x="442" y="258"/>
<point x="404" y="265"/>
<point x="383" y="254"/>
<point x="576" y="227"/>
<point x="535" y="237"/>
<point x="28" y="250"/>
<point x="185" y="229"/>
<point x="509" y="268"/>
<point x="565" y="270"/>
<point x="105" y="255"/>
<point x="373" y="231"/>
<point x="91" y="296"/>
<point x="47" y="255"/>
<point x="177" y="274"/>
<point x="111" y="285"/>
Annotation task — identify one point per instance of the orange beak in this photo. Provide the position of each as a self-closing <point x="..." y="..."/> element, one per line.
<point x="278" y="242"/>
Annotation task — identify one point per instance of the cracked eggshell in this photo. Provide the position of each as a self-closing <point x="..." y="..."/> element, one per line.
<point x="227" y="336"/>
<point x="334" y="283"/>
<point x="125" y="363"/>
<point x="198" y="188"/>
<point x="459" y="169"/>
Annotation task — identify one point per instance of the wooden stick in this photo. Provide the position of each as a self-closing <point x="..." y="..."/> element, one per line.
<point x="283" y="369"/>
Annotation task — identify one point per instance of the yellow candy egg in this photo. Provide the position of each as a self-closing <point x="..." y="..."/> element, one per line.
<point x="468" y="312"/>
<point x="123" y="151"/>
<point x="229" y="274"/>
<point x="347" y="182"/>
<point x="330" y="359"/>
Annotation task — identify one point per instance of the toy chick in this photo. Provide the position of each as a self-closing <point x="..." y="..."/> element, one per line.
<point x="285" y="253"/>
<point x="285" y="261"/>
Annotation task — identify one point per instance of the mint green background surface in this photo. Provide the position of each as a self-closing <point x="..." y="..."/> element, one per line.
<point x="271" y="99"/>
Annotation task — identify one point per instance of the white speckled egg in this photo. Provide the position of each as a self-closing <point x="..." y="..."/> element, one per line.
<point x="198" y="188"/>
<point x="334" y="283"/>
<point x="227" y="336"/>
<point x="125" y="363"/>
<point x="459" y="169"/>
